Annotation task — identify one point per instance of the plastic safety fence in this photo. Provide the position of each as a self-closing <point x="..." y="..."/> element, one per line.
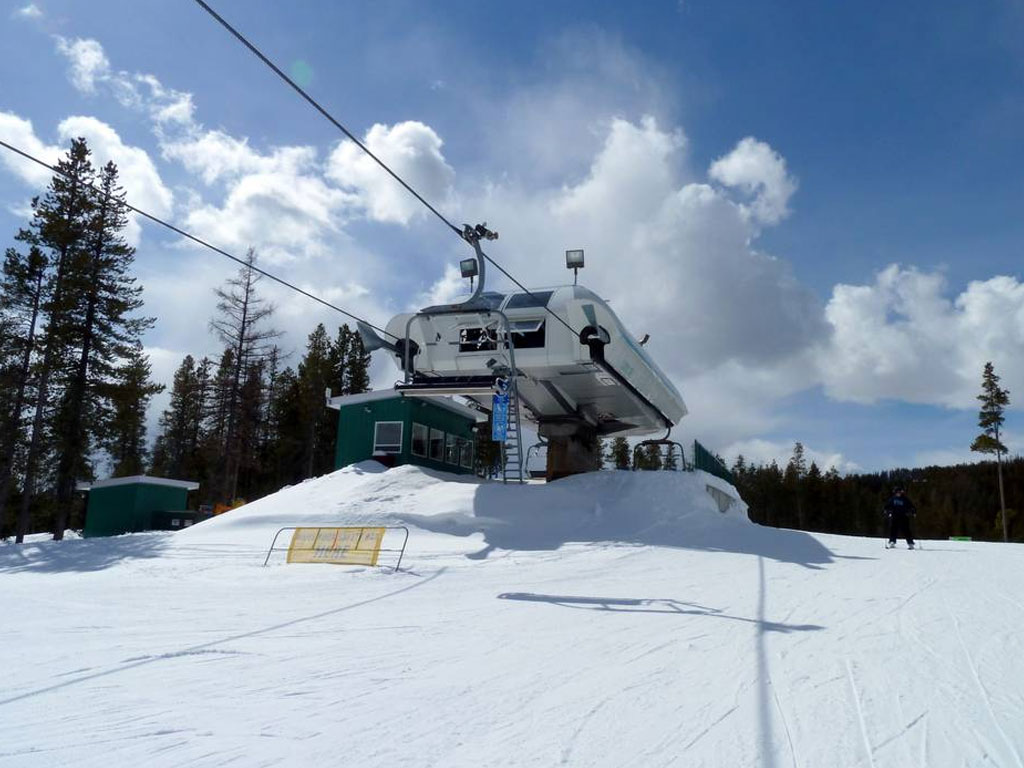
<point x="707" y="461"/>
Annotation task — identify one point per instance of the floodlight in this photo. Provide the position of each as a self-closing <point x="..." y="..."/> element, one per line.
<point x="469" y="268"/>
<point x="574" y="261"/>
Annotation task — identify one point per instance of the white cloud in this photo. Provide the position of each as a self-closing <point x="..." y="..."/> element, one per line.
<point x="30" y="11"/>
<point x="19" y="132"/>
<point x="283" y="216"/>
<point x="217" y="156"/>
<point x="904" y="338"/>
<point x="674" y="256"/>
<point x="758" y="170"/>
<point x="413" y="151"/>
<point x="88" y="63"/>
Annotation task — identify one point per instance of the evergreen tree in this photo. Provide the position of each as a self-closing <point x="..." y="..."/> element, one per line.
<point x="129" y="395"/>
<point x="796" y="469"/>
<point x="671" y="459"/>
<point x="317" y="373"/>
<point x="356" y="362"/>
<point x="176" y="449"/>
<point x="994" y="400"/>
<point x="650" y="457"/>
<point x="22" y="293"/>
<point x="61" y="221"/>
<point x="619" y="453"/>
<point x="104" y="332"/>
<point x="240" y="325"/>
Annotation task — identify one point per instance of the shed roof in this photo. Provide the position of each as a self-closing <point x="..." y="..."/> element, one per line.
<point x="388" y="394"/>
<point x="188" y="485"/>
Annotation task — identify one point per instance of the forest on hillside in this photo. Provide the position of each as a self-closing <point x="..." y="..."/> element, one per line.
<point x="75" y="381"/>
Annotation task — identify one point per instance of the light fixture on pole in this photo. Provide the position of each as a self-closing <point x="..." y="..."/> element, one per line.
<point x="574" y="261"/>
<point x="469" y="269"/>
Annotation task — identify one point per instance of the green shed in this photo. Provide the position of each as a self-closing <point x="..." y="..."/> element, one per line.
<point x="395" y="428"/>
<point x="137" y="503"/>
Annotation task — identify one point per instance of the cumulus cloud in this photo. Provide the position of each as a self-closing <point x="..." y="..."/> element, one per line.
<point x="217" y="156"/>
<point x="413" y="151"/>
<point x="759" y="171"/>
<point x="19" y="132"/>
<point x="676" y="257"/>
<point x="904" y="337"/>
<point x="284" y="216"/>
<point x="87" y="62"/>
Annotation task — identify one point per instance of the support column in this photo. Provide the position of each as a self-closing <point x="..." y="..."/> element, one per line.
<point x="573" y="448"/>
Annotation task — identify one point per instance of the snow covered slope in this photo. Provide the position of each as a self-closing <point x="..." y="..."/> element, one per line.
<point x="614" y="619"/>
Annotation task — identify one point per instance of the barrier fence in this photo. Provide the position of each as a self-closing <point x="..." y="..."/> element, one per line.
<point x="707" y="461"/>
<point x="338" y="545"/>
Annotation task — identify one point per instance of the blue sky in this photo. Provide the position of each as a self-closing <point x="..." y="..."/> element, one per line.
<point x="814" y="209"/>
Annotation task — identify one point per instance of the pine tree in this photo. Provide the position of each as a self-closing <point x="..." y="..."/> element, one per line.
<point x="356" y="363"/>
<point x="316" y="373"/>
<point x="994" y="400"/>
<point x="105" y="332"/>
<point x="60" y="226"/>
<point x="651" y="456"/>
<point x="619" y="453"/>
<point x="671" y="460"/>
<point x="21" y="300"/>
<point x="240" y="322"/>
<point x="129" y="395"/>
<point x="180" y="450"/>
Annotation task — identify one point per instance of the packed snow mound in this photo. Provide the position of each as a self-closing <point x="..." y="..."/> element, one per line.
<point x="657" y="508"/>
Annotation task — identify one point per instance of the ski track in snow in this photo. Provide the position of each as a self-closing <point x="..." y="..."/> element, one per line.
<point x="523" y="630"/>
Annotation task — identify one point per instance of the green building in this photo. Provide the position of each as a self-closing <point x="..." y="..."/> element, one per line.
<point x="138" y="503"/>
<point x="395" y="428"/>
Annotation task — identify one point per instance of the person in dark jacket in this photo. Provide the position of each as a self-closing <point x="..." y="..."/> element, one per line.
<point x="900" y="511"/>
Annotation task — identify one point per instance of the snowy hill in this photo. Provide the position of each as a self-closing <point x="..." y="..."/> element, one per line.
<point x="614" y="619"/>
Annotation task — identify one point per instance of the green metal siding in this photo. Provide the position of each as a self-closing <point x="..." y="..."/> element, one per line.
<point x="126" y="508"/>
<point x="356" y="430"/>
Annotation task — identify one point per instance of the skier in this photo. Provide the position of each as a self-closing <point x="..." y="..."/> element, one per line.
<point x="900" y="510"/>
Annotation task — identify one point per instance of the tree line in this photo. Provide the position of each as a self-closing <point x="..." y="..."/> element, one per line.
<point x="75" y="382"/>
<point x="961" y="500"/>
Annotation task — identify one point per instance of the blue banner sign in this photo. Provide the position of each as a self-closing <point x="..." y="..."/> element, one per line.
<point x="499" y="418"/>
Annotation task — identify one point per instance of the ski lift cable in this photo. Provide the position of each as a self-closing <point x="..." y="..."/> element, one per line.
<point x="200" y="241"/>
<point x="330" y="118"/>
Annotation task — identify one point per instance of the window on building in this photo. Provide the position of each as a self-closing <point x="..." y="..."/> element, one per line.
<point x="451" y="450"/>
<point x="466" y="453"/>
<point x="387" y="437"/>
<point x="436" y="444"/>
<point x="419" y="440"/>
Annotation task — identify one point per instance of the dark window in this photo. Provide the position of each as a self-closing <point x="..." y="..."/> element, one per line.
<point x="524" y="300"/>
<point x="419" y="440"/>
<point x="451" y="450"/>
<point x="466" y="454"/>
<point x="477" y="340"/>
<point x="528" y="334"/>
<point x="436" y="444"/>
<point x="387" y="437"/>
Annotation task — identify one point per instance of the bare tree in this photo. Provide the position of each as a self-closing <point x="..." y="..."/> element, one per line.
<point x="239" y="324"/>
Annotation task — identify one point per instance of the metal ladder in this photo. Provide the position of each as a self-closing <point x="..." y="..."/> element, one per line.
<point x="512" y="448"/>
